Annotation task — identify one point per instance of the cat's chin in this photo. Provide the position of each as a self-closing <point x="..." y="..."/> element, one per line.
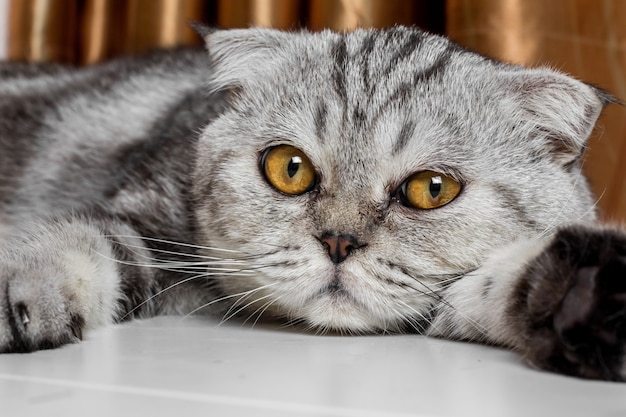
<point x="339" y="312"/>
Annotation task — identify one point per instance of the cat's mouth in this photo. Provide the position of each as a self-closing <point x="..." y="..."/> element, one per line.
<point x="336" y="290"/>
<point x="337" y="295"/>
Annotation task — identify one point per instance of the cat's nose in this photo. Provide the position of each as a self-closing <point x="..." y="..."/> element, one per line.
<point x="338" y="246"/>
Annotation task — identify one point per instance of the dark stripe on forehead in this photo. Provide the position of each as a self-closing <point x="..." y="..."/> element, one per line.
<point x="359" y="116"/>
<point x="393" y="35"/>
<point x="413" y="41"/>
<point x="434" y="70"/>
<point x="403" y="137"/>
<point x="365" y="52"/>
<point x="403" y="91"/>
<point x="321" y="114"/>
<point x="340" y="55"/>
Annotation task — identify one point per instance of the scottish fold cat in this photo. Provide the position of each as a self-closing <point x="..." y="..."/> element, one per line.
<point x="376" y="181"/>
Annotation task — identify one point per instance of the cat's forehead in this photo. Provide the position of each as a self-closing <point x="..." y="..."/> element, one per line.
<point x="380" y="85"/>
<point x="379" y="66"/>
<point x="371" y="94"/>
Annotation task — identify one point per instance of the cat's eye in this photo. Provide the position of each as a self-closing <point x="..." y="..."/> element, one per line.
<point x="429" y="190"/>
<point x="288" y="170"/>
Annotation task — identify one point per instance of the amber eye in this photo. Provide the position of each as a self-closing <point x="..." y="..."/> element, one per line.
<point x="429" y="190"/>
<point x="288" y="170"/>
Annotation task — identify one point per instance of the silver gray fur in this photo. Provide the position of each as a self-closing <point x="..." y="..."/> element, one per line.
<point x="144" y="172"/>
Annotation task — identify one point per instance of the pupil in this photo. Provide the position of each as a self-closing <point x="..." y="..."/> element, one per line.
<point x="435" y="187"/>
<point x="293" y="166"/>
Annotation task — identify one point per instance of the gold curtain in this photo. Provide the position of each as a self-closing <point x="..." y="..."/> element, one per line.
<point x="586" y="38"/>
<point x="88" y="31"/>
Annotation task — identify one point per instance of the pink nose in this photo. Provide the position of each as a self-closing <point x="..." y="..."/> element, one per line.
<point x="339" y="247"/>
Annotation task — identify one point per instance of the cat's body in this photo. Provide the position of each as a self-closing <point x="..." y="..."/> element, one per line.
<point x="284" y="177"/>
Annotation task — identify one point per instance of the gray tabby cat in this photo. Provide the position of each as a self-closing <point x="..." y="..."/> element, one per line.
<point x="373" y="181"/>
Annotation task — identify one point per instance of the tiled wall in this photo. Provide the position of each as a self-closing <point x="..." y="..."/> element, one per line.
<point x="586" y="38"/>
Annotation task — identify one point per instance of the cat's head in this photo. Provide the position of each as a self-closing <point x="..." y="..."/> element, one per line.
<point x="357" y="174"/>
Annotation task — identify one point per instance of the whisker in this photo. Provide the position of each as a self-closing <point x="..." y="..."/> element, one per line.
<point x="226" y="298"/>
<point x="169" y="242"/>
<point x="192" y="255"/>
<point x="292" y="322"/>
<point x="594" y="205"/>
<point x="182" y="266"/>
<point x="263" y="309"/>
<point x="174" y="267"/>
<point x="415" y="324"/>
<point x="169" y="252"/>
<point x="195" y="246"/>
<point x="239" y="310"/>
<point x="238" y="302"/>
<point x="429" y="291"/>
<point x="158" y="293"/>
<point x="438" y="297"/>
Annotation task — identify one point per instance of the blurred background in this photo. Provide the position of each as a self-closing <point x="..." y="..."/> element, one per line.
<point x="586" y="38"/>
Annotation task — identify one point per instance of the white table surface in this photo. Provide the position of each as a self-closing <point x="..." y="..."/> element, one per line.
<point x="174" y="367"/>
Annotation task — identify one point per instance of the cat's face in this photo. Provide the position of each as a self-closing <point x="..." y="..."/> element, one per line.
<point x="419" y="158"/>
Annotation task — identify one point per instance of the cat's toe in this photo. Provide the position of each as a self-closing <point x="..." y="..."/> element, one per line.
<point x="35" y="318"/>
<point x="76" y="326"/>
<point x="580" y="330"/>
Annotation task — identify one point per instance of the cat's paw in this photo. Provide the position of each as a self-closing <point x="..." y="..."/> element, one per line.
<point x="35" y="306"/>
<point x="573" y="305"/>
<point x="56" y="281"/>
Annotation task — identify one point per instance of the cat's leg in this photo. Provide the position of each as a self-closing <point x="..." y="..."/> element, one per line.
<point x="561" y="303"/>
<point x="59" y="278"/>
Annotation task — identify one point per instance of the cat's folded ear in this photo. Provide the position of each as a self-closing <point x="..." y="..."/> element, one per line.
<point x="556" y="108"/>
<point x="241" y="57"/>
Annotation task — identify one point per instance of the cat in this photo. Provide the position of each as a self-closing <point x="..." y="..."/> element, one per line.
<point x="374" y="181"/>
